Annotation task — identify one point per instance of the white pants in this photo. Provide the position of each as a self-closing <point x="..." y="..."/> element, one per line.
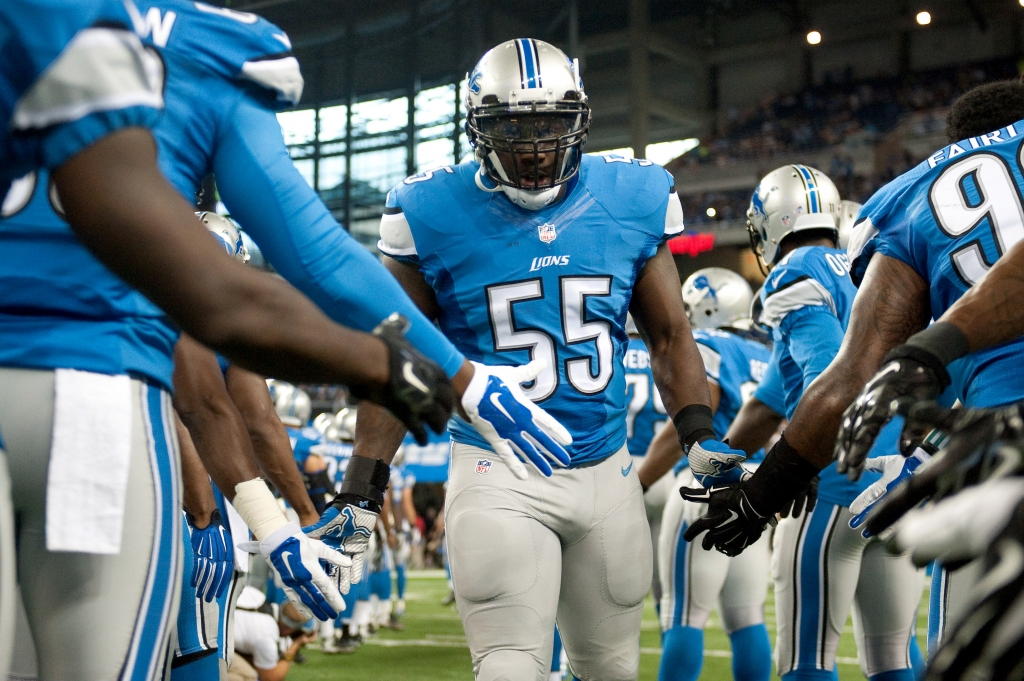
<point x="93" y="617"/>
<point x="574" y="548"/>
<point x="693" y="580"/>
<point x="821" y="567"/>
<point x="654" y="504"/>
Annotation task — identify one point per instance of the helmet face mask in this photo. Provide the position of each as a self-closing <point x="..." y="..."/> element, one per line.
<point x="528" y="120"/>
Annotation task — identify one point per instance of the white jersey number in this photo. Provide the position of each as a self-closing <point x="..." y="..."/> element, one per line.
<point x="642" y="388"/>
<point x="577" y="328"/>
<point x="957" y="213"/>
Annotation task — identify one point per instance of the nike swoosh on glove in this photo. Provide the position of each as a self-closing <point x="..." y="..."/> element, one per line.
<point x="214" y="557"/>
<point x="296" y="559"/>
<point x="987" y="642"/>
<point x="960" y="527"/>
<point x="731" y="523"/>
<point x="910" y="375"/>
<point x="716" y="464"/>
<point x="515" y="428"/>
<point x="895" y="469"/>
<point x="346" y="528"/>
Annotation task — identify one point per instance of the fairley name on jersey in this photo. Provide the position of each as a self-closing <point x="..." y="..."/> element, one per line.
<point x="480" y="253"/>
<point x="950" y="218"/>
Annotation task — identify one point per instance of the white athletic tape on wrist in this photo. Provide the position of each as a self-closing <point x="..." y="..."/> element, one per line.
<point x="258" y="508"/>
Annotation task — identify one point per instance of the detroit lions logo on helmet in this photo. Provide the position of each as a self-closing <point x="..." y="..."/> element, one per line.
<point x="474" y="82"/>
<point x="757" y="204"/>
<point x="702" y="283"/>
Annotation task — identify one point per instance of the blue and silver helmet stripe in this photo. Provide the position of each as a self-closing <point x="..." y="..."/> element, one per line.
<point x="529" y="65"/>
<point x="812" y="189"/>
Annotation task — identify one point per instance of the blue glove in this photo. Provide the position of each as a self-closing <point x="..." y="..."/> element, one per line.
<point x="297" y="560"/>
<point x="515" y="428"/>
<point x="347" y="528"/>
<point x="214" y="557"/>
<point x="895" y="470"/>
<point x="716" y="464"/>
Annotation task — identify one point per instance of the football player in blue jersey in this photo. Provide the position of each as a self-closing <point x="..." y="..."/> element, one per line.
<point x="694" y="580"/>
<point x="533" y="250"/>
<point x="821" y="566"/>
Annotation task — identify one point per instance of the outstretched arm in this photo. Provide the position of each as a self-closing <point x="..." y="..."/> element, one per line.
<point x="665" y="451"/>
<point x="125" y="212"/>
<point x="754" y="425"/>
<point x="892" y="304"/>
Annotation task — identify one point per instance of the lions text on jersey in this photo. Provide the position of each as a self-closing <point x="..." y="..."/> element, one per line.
<point x="807" y="300"/>
<point x="645" y="412"/>
<point x="950" y="219"/>
<point x="228" y="73"/>
<point x="515" y="285"/>
<point x="71" y="73"/>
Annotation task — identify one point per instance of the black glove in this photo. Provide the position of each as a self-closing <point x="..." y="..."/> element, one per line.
<point x="983" y="444"/>
<point x="418" y="391"/>
<point x="806" y="500"/>
<point x="910" y="374"/>
<point x="731" y="522"/>
<point x="987" y="644"/>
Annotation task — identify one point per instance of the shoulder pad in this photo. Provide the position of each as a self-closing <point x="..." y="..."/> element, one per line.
<point x="630" y="188"/>
<point x="233" y="44"/>
<point x="794" y="284"/>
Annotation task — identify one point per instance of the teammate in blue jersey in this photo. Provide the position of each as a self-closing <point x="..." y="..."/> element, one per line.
<point x="531" y="250"/>
<point x="821" y="566"/>
<point x="694" y="580"/>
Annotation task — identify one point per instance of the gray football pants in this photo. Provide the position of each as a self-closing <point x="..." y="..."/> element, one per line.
<point x="574" y="547"/>
<point x="93" y="617"/>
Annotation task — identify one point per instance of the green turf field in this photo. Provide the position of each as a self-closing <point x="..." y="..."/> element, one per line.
<point x="434" y="647"/>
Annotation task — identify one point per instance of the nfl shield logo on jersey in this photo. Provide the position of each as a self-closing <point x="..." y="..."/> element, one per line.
<point x="483" y="467"/>
<point x="546" y="233"/>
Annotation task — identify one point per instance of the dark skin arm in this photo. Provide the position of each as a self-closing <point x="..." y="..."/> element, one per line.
<point x="205" y="407"/>
<point x="197" y="495"/>
<point x="665" y="450"/>
<point x="891" y="305"/>
<point x="124" y="211"/>
<point x="990" y="312"/>
<point x="753" y="426"/>
<point x="270" y="443"/>
<point x="378" y="433"/>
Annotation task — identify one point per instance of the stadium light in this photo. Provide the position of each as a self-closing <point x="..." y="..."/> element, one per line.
<point x="1021" y="2"/>
<point x="925" y="18"/>
<point x="711" y="212"/>
<point x="814" y="37"/>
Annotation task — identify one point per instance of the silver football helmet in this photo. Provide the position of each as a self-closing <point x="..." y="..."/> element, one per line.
<point x="292" y="404"/>
<point x="790" y="199"/>
<point x="528" y="118"/>
<point x="226" y="233"/>
<point x="847" y="216"/>
<point x="715" y="297"/>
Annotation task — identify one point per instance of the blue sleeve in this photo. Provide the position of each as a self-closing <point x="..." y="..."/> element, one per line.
<point x="770" y="391"/>
<point x="297" y="234"/>
<point x="812" y="336"/>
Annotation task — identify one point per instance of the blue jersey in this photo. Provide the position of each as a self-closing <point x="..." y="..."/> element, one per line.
<point x="950" y="219"/>
<point x="71" y="72"/>
<point x="770" y="391"/>
<point x="228" y="73"/>
<point x="336" y="455"/>
<point x="514" y="284"/>
<point x="807" y="300"/>
<point x="429" y="462"/>
<point x="645" y="412"/>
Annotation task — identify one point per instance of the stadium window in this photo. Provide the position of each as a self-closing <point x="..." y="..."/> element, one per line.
<point x="380" y="116"/>
<point x="332" y="171"/>
<point x="435" y="105"/>
<point x="375" y="173"/>
<point x="332" y="123"/>
<point x="298" y="127"/>
<point x="305" y="169"/>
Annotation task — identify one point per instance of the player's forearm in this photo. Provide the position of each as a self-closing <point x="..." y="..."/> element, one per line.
<point x="890" y="306"/>
<point x="378" y="433"/>
<point x="197" y="495"/>
<point x="753" y="426"/>
<point x="990" y="312"/>
<point x="663" y="453"/>
<point x="270" y="443"/>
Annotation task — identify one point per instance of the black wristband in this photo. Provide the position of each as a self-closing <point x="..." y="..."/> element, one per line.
<point x="942" y="340"/>
<point x="781" y="477"/>
<point x="365" y="479"/>
<point x="694" y="423"/>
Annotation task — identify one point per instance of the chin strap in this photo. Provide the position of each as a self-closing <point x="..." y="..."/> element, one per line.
<point x="479" y="177"/>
